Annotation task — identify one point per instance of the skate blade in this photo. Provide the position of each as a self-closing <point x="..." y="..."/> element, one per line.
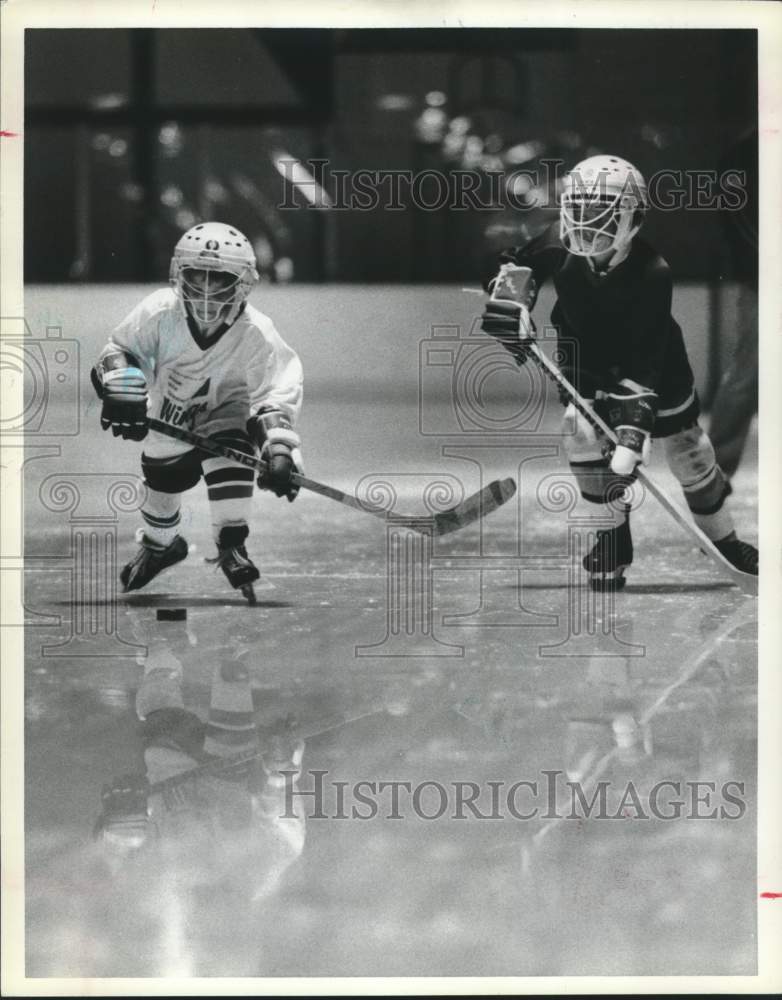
<point x="248" y="592"/>
<point x="609" y="582"/>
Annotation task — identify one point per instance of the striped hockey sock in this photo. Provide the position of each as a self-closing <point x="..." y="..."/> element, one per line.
<point x="230" y="488"/>
<point x="161" y="515"/>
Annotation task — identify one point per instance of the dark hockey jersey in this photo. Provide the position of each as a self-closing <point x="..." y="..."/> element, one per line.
<point x="615" y="325"/>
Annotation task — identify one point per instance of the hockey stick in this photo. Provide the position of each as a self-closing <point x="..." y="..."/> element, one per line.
<point x="473" y="508"/>
<point x="745" y="581"/>
<point x="236" y="765"/>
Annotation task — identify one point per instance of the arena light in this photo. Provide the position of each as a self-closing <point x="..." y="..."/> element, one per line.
<point x="294" y="171"/>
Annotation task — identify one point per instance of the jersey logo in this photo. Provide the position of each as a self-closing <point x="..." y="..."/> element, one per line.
<point x="178" y="387"/>
<point x="176" y="414"/>
<point x="203" y="391"/>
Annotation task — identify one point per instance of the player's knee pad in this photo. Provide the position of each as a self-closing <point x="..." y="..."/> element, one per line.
<point x="222" y="469"/>
<point x="172" y="475"/>
<point x="691" y="459"/>
<point x="229" y="481"/>
<point x="582" y="442"/>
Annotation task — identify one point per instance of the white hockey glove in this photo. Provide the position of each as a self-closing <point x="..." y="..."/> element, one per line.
<point x="280" y="450"/>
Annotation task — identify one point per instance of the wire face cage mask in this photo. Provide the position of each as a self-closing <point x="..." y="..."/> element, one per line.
<point x="213" y="270"/>
<point x="603" y="206"/>
<point x="207" y="293"/>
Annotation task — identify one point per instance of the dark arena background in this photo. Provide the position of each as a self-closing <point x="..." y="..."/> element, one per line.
<point x="374" y="172"/>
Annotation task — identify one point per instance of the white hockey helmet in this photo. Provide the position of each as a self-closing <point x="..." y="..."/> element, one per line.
<point x="603" y="204"/>
<point x="213" y="269"/>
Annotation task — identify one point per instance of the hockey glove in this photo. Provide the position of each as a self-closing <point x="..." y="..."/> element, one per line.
<point x="506" y="315"/>
<point x="123" y="389"/>
<point x="279" y="445"/>
<point x="630" y="411"/>
<point x="515" y="283"/>
<point x="502" y="320"/>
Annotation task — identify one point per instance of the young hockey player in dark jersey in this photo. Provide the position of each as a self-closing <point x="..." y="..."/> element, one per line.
<point x="625" y="354"/>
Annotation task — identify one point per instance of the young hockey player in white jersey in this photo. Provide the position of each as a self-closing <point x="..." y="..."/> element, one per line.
<point x="198" y="356"/>
<point x="626" y="355"/>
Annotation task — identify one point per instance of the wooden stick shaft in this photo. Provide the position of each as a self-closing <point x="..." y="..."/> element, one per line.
<point x="225" y="451"/>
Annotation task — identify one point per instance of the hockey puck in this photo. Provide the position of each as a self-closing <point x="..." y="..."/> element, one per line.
<point x="171" y="614"/>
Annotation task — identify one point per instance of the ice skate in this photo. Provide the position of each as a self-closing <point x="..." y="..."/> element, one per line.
<point x="740" y="554"/>
<point x="151" y="559"/>
<point x="232" y="558"/>
<point x="609" y="557"/>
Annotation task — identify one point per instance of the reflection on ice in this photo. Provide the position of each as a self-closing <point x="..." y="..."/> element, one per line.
<point x="200" y="869"/>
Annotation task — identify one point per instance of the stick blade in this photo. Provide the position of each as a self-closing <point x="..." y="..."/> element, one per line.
<point x="475" y="507"/>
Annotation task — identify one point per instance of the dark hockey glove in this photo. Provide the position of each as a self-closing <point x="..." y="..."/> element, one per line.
<point x="124" y="818"/>
<point x="630" y="411"/>
<point x="515" y="283"/>
<point x="121" y="386"/>
<point x="506" y="315"/>
<point x="279" y="445"/>
<point x="502" y="320"/>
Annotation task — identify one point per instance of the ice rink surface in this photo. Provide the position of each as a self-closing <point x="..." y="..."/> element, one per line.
<point x="505" y="669"/>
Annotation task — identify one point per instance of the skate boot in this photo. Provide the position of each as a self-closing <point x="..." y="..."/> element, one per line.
<point x="232" y="558"/>
<point x="609" y="557"/>
<point x="740" y="554"/>
<point x="151" y="559"/>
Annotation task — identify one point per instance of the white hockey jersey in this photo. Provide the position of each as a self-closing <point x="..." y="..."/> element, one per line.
<point x="207" y="385"/>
